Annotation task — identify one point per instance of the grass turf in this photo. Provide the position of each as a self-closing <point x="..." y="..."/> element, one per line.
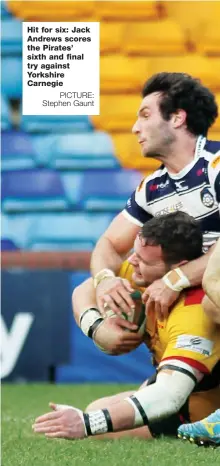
<point x="22" y="403"/>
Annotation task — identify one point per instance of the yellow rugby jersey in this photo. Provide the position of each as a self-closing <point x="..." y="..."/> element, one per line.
<point x="187" y="334"/>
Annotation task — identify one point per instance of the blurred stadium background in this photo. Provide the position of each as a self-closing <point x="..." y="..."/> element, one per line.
<point x="65" y="178"/>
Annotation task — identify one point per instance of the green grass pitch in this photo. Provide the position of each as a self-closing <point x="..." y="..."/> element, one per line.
<point x="22" y="403"/>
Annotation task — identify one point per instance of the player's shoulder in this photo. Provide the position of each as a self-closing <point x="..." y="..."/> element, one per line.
<point x="150" y="184"/>
<point x="187" y="313"/>
<point x="156" y="175"/>
<point x="188" y="298"/>
<point x="212" y="147"/>
<point x="211" y="153"/>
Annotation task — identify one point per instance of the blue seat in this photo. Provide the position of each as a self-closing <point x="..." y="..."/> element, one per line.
<point x="55" y="123"/>
<point x="8" y="245"/>
<point x="68" y="231"/>
<point x="32" y="190"/>
<point x="72" y="183"/>
<point x="101" y="190"/>
<point x="108" y="190"/>
<point x="5" y="114"/>
<point x="12" y="77"/>
<point x="84" y="151"/>
<point x="17" y="151"/>
<point x="11" y="37"/>
<point x="43" y="147"/>
<point x="18" y="228"/>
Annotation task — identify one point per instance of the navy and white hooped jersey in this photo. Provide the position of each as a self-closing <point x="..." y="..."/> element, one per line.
<point x="195" y="190"/>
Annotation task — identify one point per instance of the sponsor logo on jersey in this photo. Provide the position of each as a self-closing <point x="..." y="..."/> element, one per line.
<point x="195" y="344"/>
<point x="180" y="187"/>
<point x="207" y="198"/>
<point x="169" y="209"/>
<point x="200" y="171"/>
<point x="154" y="187"/>
<point x="215" y="162"/>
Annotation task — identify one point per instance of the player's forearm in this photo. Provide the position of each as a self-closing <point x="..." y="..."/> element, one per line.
<point x="105" y="256"/>
<point x="194" y="270"/>
<point x="83" y="297"/>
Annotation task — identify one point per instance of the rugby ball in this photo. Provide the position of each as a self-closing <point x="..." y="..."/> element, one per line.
<point x="137" y="316"/>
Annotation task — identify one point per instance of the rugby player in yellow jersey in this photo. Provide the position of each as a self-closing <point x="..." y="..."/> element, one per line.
<point x="186" y="346"/>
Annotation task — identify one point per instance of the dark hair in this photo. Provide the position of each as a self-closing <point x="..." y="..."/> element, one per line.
<point x="182" y="91"/>
<point x="178" y="234"/>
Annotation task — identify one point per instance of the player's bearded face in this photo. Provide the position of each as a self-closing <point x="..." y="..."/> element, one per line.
<point x="155" y="135"/>
<point x="147" y="262"/>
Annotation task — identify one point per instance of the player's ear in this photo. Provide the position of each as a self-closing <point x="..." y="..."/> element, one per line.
<point x="179" y="118"/>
